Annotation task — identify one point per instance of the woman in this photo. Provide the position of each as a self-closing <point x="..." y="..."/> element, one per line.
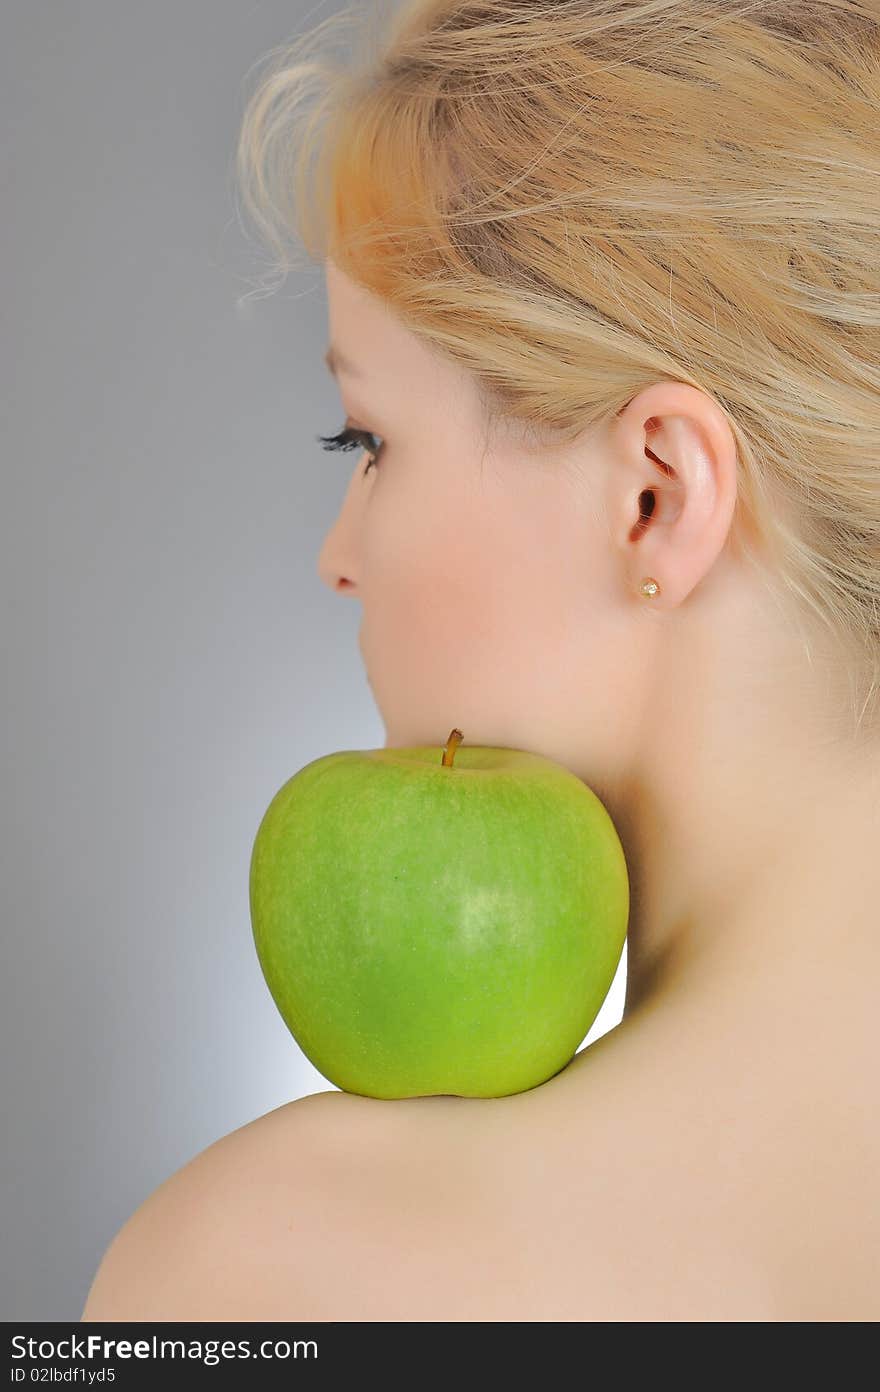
<point x="605" y="315"/>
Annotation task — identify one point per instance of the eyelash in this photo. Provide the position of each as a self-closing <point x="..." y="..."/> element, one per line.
<point x="350" y="438"/>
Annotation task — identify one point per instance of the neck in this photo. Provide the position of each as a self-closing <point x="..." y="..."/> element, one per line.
<point x="775" y="996"/>
<point x="782" y="927"/>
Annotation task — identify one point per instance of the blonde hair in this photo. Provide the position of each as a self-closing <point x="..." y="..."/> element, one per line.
<point x="574" y="199"/>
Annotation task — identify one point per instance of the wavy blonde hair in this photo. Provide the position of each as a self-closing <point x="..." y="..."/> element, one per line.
<point x="575" y="199"/>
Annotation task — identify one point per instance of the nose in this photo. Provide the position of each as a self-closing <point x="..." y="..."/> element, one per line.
<point x="337" y="560"/>
<point x="330" y="567"/>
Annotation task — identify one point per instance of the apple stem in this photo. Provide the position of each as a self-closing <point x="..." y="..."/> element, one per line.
<point x="455" y="739"/>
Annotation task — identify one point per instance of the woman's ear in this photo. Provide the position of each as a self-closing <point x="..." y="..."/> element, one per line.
<point x="671" y="488"/>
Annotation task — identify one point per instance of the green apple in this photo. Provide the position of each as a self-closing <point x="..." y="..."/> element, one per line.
<point x="436" y="920"/>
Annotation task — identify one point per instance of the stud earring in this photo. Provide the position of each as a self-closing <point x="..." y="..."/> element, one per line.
<point x="649" y="587"/>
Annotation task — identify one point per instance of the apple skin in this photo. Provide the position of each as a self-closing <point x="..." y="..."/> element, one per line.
<point x="427" y="929"/>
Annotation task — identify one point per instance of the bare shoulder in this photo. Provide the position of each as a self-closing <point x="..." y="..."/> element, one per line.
<point x="342" y="1208"/>
<point x="499" y="1210"/>
<point x="577" y="1201"/>
<point x="333" y="1207"/>
<point x="581" y="1203"/>
<point x="194" y="1248"/>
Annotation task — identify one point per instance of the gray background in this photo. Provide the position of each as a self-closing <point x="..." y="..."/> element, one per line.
<point x="170" y="655"/>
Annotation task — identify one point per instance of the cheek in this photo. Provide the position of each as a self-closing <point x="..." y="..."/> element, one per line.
<point x="429" y="611"/>
<point x="468" y="621"/>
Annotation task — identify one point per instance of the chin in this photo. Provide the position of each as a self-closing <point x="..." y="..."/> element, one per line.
<point x="395" y="741"/>
<point x="391" y="742"/>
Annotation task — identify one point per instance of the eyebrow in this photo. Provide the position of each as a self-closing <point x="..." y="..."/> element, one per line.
<point x="337" y="362"/>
